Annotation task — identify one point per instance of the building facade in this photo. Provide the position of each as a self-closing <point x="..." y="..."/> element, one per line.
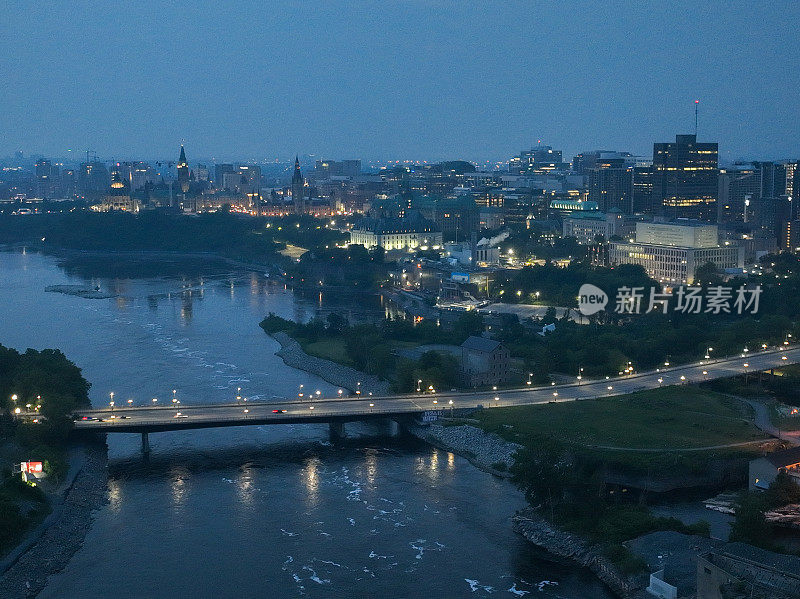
<point x="484" y="361"/>
<point x="685" y="176"/>
<point x="672" y="253"/>
<point x="397" y="234"/>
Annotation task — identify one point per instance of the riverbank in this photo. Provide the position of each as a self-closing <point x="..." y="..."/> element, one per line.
<point x="336" y="374"/>
<point x="48" y="548"/>
<point x="486" y="451"/>
<point x="543" y="534"/>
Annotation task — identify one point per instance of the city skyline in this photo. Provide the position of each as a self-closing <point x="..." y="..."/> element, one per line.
<point x="407" y="82"/>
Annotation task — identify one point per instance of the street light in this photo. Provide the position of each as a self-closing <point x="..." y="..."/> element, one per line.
<point x="419" y="385"/>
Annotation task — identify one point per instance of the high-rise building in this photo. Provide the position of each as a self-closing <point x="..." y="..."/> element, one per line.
<point x="337" y="168"/>
<point x="610" y="184"/>
<point x="47" y="180"/>
<point x="789" y="240"/>
<point x="93" y="180"/>
<point x="220" y="170"/>
<point x="297" y="188"/>
<point x="183" y="172"/>
<point x="685" y="177"/>
<point x="538" y="160"/>
<point x="642" y="187"/>
<point x="201" y="172"/>
<point x="738" y="187"/>
<point x="584" y="161"/>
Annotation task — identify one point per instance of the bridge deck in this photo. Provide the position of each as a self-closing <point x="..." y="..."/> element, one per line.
<point x="163" y="418"/>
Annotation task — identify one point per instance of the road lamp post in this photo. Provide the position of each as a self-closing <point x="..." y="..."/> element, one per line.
<point x="111" y="401"/>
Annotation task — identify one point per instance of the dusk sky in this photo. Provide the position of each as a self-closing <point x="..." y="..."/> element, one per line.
<point x="400" y="80"/>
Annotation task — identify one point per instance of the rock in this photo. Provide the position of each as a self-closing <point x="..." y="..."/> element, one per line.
<point x="51" y="552"/>
<point x="483" y="449"/>
<point x="342" y="376"/>
<point x="541" y="533"/>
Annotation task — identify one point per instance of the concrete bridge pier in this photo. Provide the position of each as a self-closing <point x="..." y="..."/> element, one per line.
<point x="336" y="431"/>
<point x="145" y="444"/>
<point x="390" y="428"/>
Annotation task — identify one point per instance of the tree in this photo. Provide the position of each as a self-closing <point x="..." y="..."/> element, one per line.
<point x="750" y="525"/>
<point x="708" y="274"/>
<point x="782" y="491"/>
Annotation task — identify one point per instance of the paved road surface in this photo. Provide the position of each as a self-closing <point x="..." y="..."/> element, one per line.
<point x="151" y="418"/>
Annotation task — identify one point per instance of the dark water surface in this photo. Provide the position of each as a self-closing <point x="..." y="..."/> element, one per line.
<point x="266" y="511"/>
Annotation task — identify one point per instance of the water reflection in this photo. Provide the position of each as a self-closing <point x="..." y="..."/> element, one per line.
<point x="179" y="482"/>
<point x="244" y="484"/>
<point x="371" y="465"/>
<point x="310" y="478"/>
<point x="114" y="494"/>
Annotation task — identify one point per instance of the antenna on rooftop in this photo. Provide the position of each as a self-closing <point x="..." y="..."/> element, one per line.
<point x="696" y="103"/>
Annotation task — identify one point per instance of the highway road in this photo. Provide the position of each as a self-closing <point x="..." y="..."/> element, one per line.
<point x="152" y="418"/>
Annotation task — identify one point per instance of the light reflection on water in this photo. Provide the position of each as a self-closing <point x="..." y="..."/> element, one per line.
<point x="269" y="511"/>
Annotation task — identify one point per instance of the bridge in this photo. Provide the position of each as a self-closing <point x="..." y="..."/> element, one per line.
<point x="337" y="411"/>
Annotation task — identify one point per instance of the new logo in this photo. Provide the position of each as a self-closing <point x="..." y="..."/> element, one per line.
<point x="591" y="299"/>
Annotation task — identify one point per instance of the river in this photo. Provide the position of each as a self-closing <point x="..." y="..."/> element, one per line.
<point x="263" y="511"/>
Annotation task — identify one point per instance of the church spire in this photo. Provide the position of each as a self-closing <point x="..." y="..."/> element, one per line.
<point x="297" y="188"/>
<point x="183" y="171"/>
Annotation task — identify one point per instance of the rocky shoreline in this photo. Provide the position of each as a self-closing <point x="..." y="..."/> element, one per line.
<point x="342" y="376"/>
<point x="486" y="451"/>
<point x="563" y="544"/>
<point x="63" y="532"/>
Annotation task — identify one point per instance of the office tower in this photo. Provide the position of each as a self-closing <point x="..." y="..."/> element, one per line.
<point x="583" y="162"/>
<point x="47" y="180"/>
<point x="685" y="177"/>
<point x="642" y="188"/>
<point x="201" y="172"/>
<point x="538" y="160"/>
<point x="68" y="183"/>
<point x="93" y="179"/>
<point x="337" y="168"/>
<point x="610" y="184"/>
<point x="220" y="170"/>
<point x="738" y="188"/>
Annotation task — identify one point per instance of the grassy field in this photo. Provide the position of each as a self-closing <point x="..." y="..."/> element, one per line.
<point x="331" y="348"/>
<point x="670" y="418"/>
